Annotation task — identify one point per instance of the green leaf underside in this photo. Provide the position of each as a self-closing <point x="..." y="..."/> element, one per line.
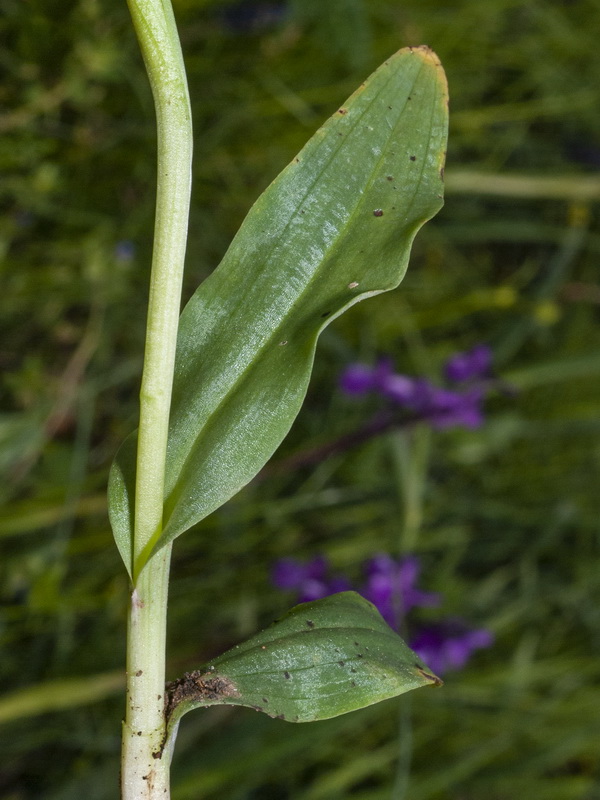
<point x="320" y="660"/>
<point x="335" y="227"/>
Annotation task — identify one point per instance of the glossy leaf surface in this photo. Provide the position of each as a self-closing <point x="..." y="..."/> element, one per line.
<point x="335" y="227"/>
<point x="320" y="660"/>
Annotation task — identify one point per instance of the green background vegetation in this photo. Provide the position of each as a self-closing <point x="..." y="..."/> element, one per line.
<point x="504" y="519"/>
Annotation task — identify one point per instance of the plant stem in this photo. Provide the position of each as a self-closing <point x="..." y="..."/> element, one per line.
<point x="145" y="774"/>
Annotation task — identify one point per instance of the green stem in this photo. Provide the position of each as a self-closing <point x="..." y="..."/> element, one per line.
<point x="145" y="774"/>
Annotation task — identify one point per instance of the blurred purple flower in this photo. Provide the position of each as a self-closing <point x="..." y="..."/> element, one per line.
<point x="449" y="644"/>
<point x="359" y="378"/>
<point x="124" y="250"/>
<point x="309" y="580"/>
<point x="443" y="408"/>
<point x="472" y="365"/>
<point x="440" y="406"/>
<point x="391" y="587"/>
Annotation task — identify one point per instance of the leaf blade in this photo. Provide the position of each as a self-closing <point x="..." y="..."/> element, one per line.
<point x="284" y="305"/>
<point x="322" y="659"/>
<point x="335" y="227"/>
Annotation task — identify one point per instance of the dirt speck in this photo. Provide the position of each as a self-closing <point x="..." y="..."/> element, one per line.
<point x="378" y="212"/>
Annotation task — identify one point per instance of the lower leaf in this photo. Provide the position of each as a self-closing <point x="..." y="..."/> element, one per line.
<point x="320" y="660"/>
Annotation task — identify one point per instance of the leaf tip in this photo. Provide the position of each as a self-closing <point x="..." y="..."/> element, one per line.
<point x="429" y="677"/>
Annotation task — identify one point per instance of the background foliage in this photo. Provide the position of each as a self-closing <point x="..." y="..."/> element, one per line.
<point x="504" y="519"/>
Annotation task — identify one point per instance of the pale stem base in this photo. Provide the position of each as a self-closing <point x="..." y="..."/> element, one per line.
<point x="145" y="772"/>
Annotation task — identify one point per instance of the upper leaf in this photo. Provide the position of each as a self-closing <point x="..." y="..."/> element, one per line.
<point x="335" y="227"/>
<point x="320" y="660"/>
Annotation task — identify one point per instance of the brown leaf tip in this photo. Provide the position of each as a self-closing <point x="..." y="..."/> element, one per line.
<point x="429" y="676"/>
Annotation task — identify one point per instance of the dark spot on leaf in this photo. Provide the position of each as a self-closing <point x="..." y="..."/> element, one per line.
<point x="138" y="673"/>
<point x="378" y="213"/>
<point x="413" y="158"/>
<point x="309" y="622"/>
<point x="409" y="97"/>
<point x="287" y="675"/>
<point x="342" y="663"/>
<point x="357" y="644"/>
<point x="139" y="733"/>
<point x="326" y="313"/>
<point x="280" y="716"/>
<point x="390" y="178"/>
<point x="352" y="669"/>
<point x="352" y="683"/>
<point x="342" y="111"/>
<point x="360" y="655"/>
<point x="442" y="173"/>
<point x="156" y="754"/>
<point x="297" y="160"/>
<point x="265" y="701"/>
<point x="390" y="108"/>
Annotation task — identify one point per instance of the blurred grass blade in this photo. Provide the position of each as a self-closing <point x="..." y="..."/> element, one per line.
<point x="335" y="227"/>
<point x="59" y="695"/>
<point x="320" y="660"/>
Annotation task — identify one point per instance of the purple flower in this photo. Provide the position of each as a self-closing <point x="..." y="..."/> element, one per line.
<point x="309" y="580"/>
<point x="472" y="365"/>
<point x="359" y="378"/>
<point x="441" y="407"/>
<point x="124" y="251"/>
<point x="449" y="644"/>
<point x="391" y="587"/>
<point x="399" y="388"/>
